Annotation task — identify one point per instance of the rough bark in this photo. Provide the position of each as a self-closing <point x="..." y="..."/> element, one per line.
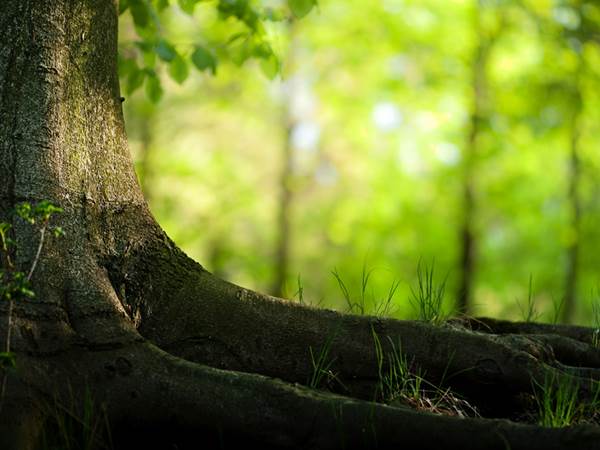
<point x="175" y="354"/>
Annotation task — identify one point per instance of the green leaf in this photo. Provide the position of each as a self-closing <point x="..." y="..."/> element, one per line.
<point x="123" y="5"/>
<point x="187" y="5"/>
<point x="203" y="59"/>
<point x="7" y="360"/>
<point x="178" y="69"/>
<point x="27" y="292"/>
<point x="154" y="90"/>
<point x="140" y="13"/>
<point x="301" y="8"/>
<point x="262" y="50"/>
<point x="148" y="52"/>
<point x="23" y="210"/>
<point x="165" y="51"/>
<point x="135" y="80"/>
<point x="44" y="209"/>
<point x="161" y="4"/>
<point x="126" y="65"/>
<point x="270" y="66"/>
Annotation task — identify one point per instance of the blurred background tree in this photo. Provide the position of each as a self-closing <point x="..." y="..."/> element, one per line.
<point x="366" y="138"/>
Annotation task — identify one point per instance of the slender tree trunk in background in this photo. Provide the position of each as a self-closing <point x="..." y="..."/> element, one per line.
<point x="570" y="300"/>
<point x="283" y="217"/>
<point x="178" y="357"/>
<point x="282" y="253"/>
<point x="468" y="237"/>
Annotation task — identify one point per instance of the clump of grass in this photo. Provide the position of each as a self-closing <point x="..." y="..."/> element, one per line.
<point x="300" y="291"/>
<point x="321" y="374"/>
<point x="358" y="305"/>
<point x="529" y="311"/>
<point x="557" y="400"/>
<point x="395" y="377"/>
<point x="428" y="296"/>
<point x="402" y="381"/>
<point x="557" y="307"/>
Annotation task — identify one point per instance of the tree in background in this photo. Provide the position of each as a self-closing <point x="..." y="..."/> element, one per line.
<point x="479" y="116"/>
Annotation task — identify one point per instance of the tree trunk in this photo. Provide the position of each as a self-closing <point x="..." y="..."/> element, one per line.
<point x="175" y="355"/>
<point x="570" y="300"/>
<point x="468" y="240"/>
<point x="286" y="194"/>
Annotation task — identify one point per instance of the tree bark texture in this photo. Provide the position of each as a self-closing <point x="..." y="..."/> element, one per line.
<point x="175" y="354"/>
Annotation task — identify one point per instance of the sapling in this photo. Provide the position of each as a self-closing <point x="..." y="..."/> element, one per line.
<point x="14" y="283"/>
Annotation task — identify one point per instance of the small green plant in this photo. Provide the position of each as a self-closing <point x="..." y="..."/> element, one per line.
<point x="529" y="311"/>
<point x="557" y="400"/>
<point x="596" y="324"/>
<point x="381" y="306"/>
<point x="428" y="297"/>
<point x="300" y="291"/>
<point x="354" y="307"/>
<point x="557" y="307"/>
<point x="14" y="283"/>
<point x="321" y="364"/>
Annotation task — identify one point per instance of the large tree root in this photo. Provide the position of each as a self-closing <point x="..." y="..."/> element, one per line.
<point x="174" y="352"/>
<point x="154" y="399"/>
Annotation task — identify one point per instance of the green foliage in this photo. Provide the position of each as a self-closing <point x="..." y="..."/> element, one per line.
<point x="246" y="39"/>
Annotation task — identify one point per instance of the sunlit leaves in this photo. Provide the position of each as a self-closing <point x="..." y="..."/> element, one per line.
<point x="203" y="59"/>
<point x="158" y="51"/>
<point x="242" y="10"/>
